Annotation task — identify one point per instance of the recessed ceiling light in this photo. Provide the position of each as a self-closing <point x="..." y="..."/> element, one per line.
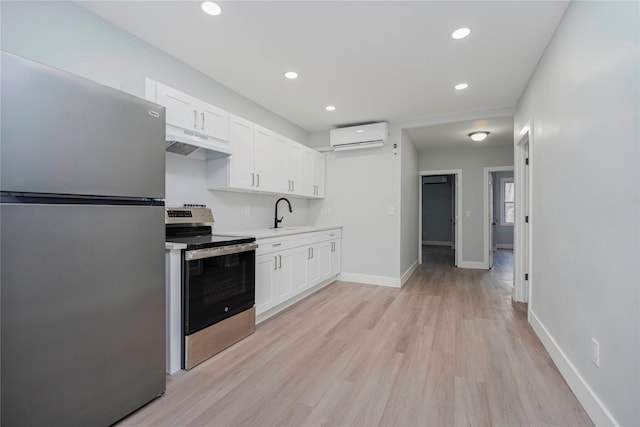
<point x="211" y="8"/>
<point x="478" y="136"/>
<point x="461" y="86"/>
<point x="329" y="108"/>
<point x="460" y="33"/>
<point x="291" y="75"/>
<point x="360" y="131"/>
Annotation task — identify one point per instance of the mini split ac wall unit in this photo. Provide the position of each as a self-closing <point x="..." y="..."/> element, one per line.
<point x="356" y="137"/>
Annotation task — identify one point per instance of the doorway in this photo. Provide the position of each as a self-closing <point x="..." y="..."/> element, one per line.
<point x="440" y="228"/>
<point x="523" y="235"/>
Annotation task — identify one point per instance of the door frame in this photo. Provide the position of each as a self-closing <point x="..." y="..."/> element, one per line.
<point x="487" y="228"/>
<point x="458" y="222"/>
<point x="522" y="248"/>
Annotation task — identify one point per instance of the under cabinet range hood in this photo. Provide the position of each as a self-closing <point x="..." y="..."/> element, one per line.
<point x="193" y="144"/>
<point x="194" y="128"/>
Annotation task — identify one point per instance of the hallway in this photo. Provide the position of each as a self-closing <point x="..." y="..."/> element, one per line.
<point x="448" y="349"/>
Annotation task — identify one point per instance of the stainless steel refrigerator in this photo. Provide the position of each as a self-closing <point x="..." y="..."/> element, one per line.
<point x="82" y="249"/>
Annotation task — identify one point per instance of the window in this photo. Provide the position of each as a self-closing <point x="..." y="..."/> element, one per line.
<point x="507" y="199"/>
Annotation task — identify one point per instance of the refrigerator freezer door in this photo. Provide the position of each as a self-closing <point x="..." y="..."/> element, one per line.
<point x="67" y="135"/>
<point x="82" y="312"/>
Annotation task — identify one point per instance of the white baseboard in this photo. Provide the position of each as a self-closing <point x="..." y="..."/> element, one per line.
<point x="436" y="243"/>
<point x="505" y="246"/>
<point x="585" y="395"/>
<point x="408" y="273"/>
<point x="288" y="303"/>
<point x="475" y="265"/>
<point x="367" y="279"/>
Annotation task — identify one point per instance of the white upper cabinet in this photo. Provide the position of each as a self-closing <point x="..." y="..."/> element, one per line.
<point x="279" y="153"/>
<point x="240" y="164"/>
<point x="214" y="121"/>
<point x="318" y="174"/>
<point x="294" y="168"/>
<point x="187" y="112"/>
<point x="265" y="162"/>
<point x="262" y="160"/>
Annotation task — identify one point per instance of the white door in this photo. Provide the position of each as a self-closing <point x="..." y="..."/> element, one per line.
<point x="181" y="108"/>
<point x="263" y="151"/>
<point x="279" y="177"/>
<point x="491" y="221"/>
<point x="294" y="166"/>
<point x="213" y="121"/>
<point x="266" y="268"/>
<point x="455" y="219"/>
<point x="318" y="174"/>
<point x="324" y="260"/>
<point x="299" y="275"/>
<point x="313" y="268"/>
<point x="283" y="281"/>
<point x="241" y="173"/>
<point x="307" y="185"/>
<point x="336" y="261"/>
<point x="527" y="235"/>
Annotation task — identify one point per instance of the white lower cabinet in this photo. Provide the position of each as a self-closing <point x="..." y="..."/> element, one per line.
<point x="286" y="267"/>
<point x="266" y="266"/>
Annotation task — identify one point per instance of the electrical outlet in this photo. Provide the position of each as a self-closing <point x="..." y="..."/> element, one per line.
<point x="392" y="210"/>
<point x="468" y="214"/>
<point x="247" y="210"/>
<point x="328" y="210"/>
<point x="595" y="352"/>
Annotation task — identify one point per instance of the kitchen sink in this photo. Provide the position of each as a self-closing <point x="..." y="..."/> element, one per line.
<point x="283" y="229"/>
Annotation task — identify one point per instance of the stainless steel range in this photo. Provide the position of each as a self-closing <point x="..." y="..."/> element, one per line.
<point x="218" y="284"/>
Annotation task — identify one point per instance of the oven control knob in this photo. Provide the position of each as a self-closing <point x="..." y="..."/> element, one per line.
<point x="226" y="309"/>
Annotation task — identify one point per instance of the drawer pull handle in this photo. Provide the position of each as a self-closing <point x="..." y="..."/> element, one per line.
<point x="276" y="244"/>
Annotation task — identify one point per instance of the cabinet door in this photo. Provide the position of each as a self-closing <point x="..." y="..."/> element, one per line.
<point x="313" y="268"/>
<point x="280" y="180"/>
<point x="181" y="109"/>
<point x="299" y="279"/>
<point x="294" y="167"/>
<point x="318" y="174"/>
<point x="283" y="284"/>
<point x="324" y="260"/>
<point x="241" y="173"/>
<point x="336" y="260"/>
<point x="213" y="121"/>
<point x="263" y="146"/>
<point x="266" y="272"/>
<point x="307" y="181"/>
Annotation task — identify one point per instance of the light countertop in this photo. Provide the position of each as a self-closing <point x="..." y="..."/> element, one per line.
<point x="170" y="246"/>
<point x="265" y="233"/>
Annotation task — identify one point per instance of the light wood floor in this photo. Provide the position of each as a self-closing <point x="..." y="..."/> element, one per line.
<point x="448" y="349"/>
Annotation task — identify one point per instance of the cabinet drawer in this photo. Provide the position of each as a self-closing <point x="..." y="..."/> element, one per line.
<point x="277" y="244"/>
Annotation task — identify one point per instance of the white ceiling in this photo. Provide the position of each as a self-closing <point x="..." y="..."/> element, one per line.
<point x="373" y="60"/>
<point x="455" y="135"/>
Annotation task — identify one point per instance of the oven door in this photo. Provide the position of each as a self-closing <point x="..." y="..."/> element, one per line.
<point x="218" y="283"/>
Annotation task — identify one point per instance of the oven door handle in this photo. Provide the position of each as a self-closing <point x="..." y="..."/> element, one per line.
<point x="219" y="251"/>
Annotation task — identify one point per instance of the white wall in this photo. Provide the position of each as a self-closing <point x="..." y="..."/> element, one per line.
<point x="66" y="36"/>
<point x="583" y="102"/>
<point x="363" y="194"/>
<point x="472" y="161"/>
<point x="409" y="221"/>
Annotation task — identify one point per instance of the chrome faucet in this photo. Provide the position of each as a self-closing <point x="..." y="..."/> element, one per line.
<point x="277" y="221"/>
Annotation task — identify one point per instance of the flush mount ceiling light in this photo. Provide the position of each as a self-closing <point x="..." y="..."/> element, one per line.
<point x="461" y="86"/>
<point x="330" y="108"/>
<point x="211" y="8"/>
<point x="291" y="75"/>
<point x="460" y="33"/>
<point x="478" y="136"/>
